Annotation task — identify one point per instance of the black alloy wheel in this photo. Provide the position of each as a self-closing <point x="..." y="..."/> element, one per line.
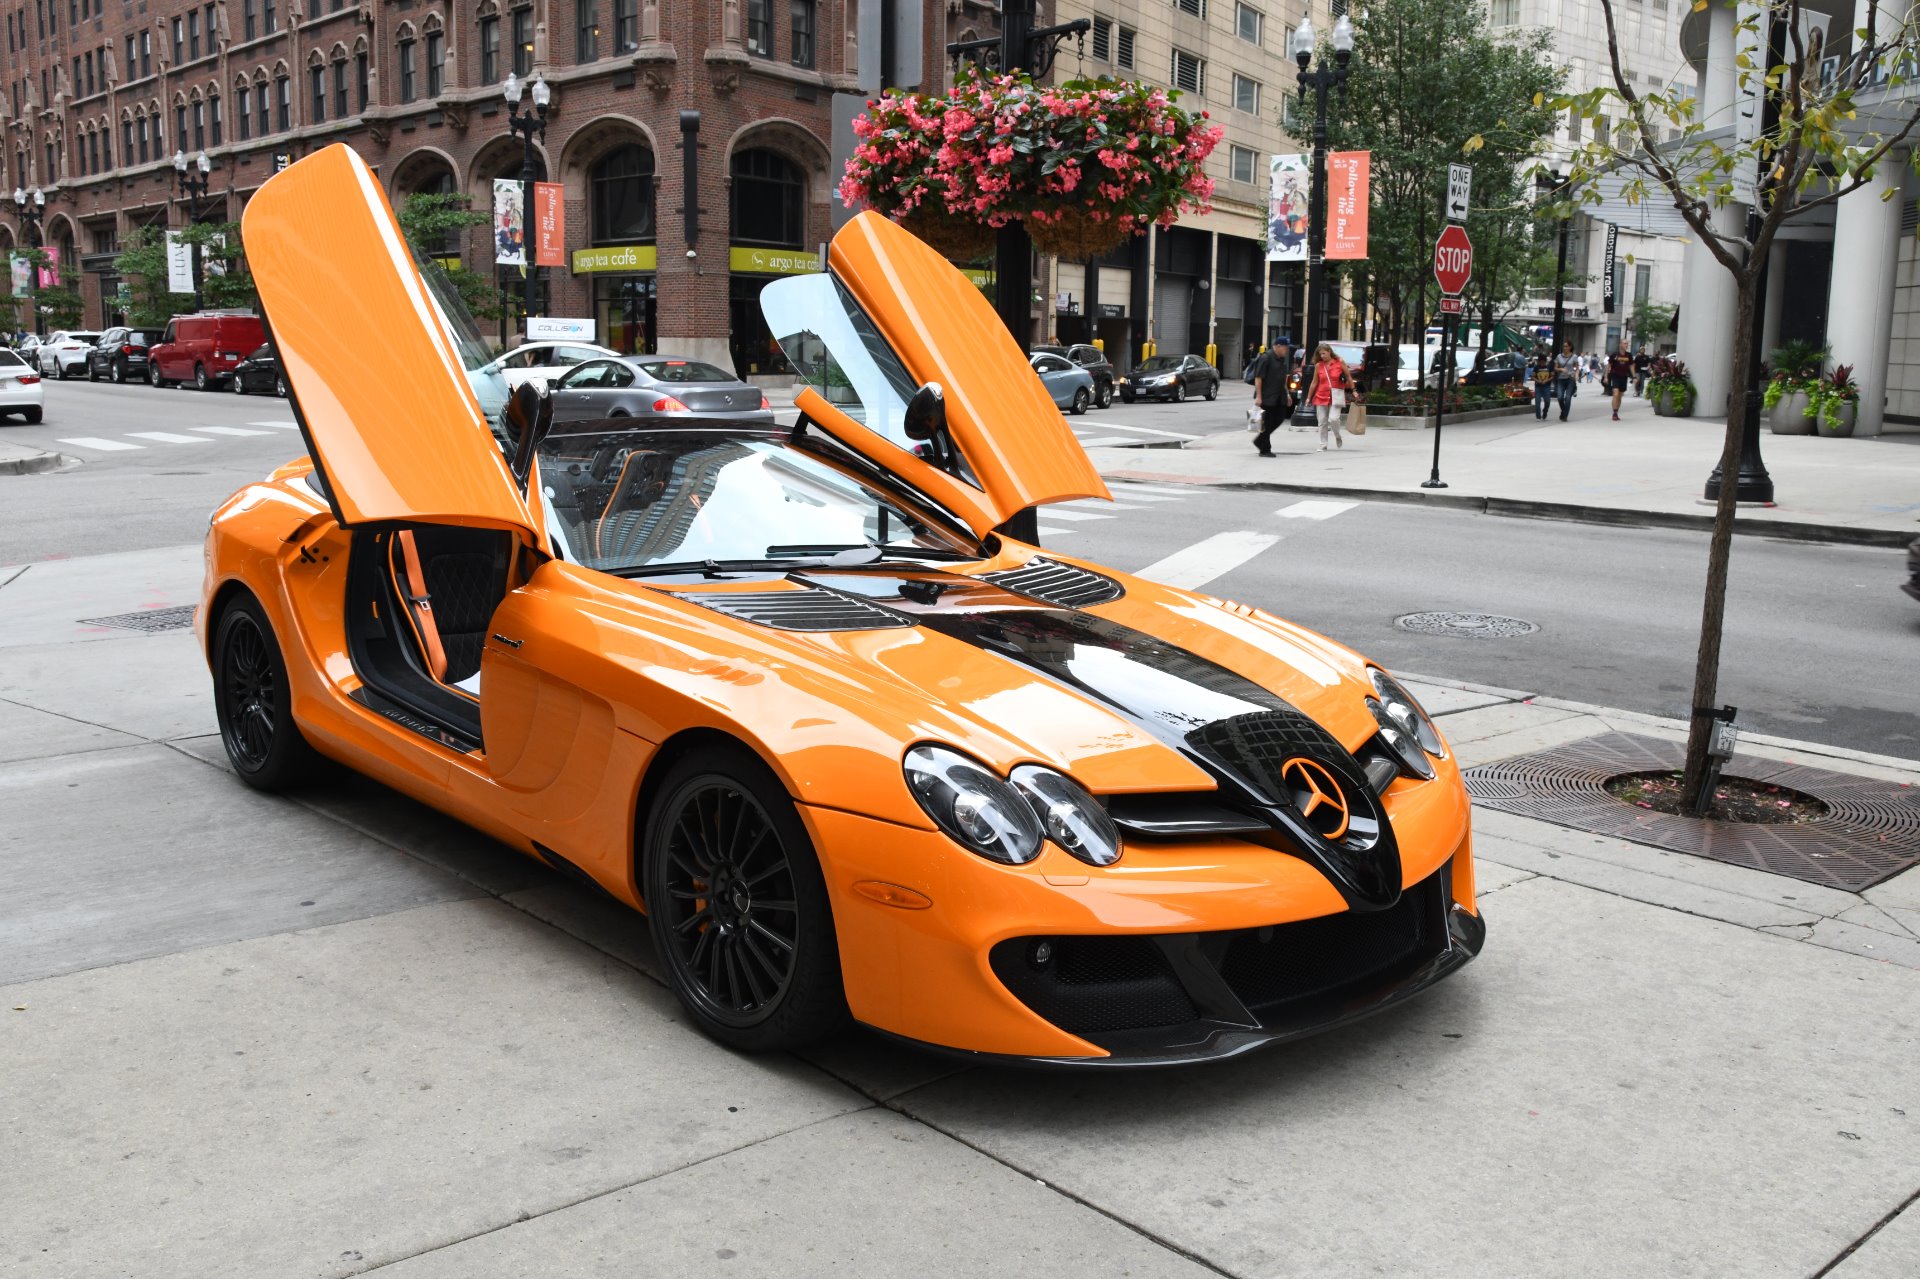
<point x="1080" y="400"/>
<point x="117" y="371"/>
<point x="1180" y="391"/>
<point x="239" y="382"/>
<point x="738" y="906"/>
<point x="199" y="377"/>
<point x="253" y="703"/>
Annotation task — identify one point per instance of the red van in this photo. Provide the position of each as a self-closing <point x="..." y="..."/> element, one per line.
<point x="203" y="348"/>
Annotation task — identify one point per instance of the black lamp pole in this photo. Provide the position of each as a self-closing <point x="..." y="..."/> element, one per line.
<point x="1321" y="79"/>
<point x="193" y="180"/>
<point x="530" y="125"/>
<point x="32" y="206"/>
<point x="1550" y="183"/>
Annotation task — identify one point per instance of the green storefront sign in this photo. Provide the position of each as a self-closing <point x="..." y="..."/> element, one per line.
<point x="623" y="257"/>
<point x="750" y="261"/>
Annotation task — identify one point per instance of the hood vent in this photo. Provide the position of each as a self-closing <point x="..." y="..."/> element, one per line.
<point x="799" y="610"/>
<point x="1061" y="585"/>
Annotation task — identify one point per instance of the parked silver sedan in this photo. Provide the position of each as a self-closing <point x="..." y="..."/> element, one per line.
<point x="655" y="386"/>
<point x="1070" y="385"/>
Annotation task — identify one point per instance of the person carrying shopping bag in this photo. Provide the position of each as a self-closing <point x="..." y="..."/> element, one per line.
<point x="1566" y="372"/>
<point x="1328" y="375"/>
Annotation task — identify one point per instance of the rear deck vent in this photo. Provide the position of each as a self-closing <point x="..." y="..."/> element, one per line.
<point x="799" y="610"/>
<point x="1062" y="585"/>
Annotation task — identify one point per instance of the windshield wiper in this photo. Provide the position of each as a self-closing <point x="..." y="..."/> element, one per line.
<point x="843" y="554"/>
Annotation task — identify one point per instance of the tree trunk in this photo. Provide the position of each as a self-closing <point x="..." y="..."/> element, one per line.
<point x="1706" y="668"/>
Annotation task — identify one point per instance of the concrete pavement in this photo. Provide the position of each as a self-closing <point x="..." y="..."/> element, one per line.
<point x="336" y="1034"/>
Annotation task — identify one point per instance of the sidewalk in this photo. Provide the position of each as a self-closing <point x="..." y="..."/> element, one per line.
<point x="19" y="459"/>
<point x="1642" y="469"/>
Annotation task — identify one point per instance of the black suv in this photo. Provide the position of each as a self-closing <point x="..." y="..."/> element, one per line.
<point x="120" y="355"/>
<point x="1094" y="361"/>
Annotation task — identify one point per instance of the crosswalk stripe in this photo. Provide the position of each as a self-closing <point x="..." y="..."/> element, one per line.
<point x="168" y="437"/>
<point x="224" y="430"/>
<point x="95" y="442"/>
<point x="285" y="426"/>
<point x="1314" y="509"/>
<point x="1194" y="566"/>
<point x="1147" y="430"/>
<point x="1050" y="531"/>
<point x="1133" y="495"/>
<point x="1100" y="504"/>
<point x="1055" y="513"/>
<point x="1104" y="441"/>
<point x="1133" y="488"/>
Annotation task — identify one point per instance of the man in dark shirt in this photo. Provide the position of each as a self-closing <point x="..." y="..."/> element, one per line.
<point x="1640" y="362"/>
<point x="1270" y="371"/>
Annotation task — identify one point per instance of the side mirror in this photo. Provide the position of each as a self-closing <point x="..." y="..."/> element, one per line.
<point x="527" y="418"/>
<point x="926" y="417"/>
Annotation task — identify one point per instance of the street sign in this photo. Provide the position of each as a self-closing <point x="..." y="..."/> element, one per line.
<point x="1459" y="191"/>
<point x="1452" y="306"/>
<point x="1452" y="260"/>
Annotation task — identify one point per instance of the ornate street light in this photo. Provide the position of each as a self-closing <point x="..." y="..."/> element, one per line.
<point x="529" y="126"/>
<point x="1319" y="310"/>
<point x="32" y="206"/>
<point x="192" y="181"/>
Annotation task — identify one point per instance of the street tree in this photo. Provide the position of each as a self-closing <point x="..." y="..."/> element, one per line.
<point x="1821" y="128"/>
<point x="435" y="224"/>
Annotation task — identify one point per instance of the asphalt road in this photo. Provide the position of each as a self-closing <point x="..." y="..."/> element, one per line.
<point x="1820" y="642"/>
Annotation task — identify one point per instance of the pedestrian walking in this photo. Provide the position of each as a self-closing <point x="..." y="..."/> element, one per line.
<point x="1566" y="372"/>
<point x="1270" y="370"/>
<point x="1619" y="373"/>
<point x="1327" y="375"/>
<point x="1641" y="362"/>
<point x="1541" y="370"/>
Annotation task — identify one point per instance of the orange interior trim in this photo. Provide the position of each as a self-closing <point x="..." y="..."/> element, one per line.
<point x="420" y="604"/>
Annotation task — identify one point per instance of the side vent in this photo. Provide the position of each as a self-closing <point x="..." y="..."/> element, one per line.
<point x="1061" y="585"/>
<point x="799" y="610"/>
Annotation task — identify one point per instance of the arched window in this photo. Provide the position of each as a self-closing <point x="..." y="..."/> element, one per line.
<point x="409" y="85"/>
<point x="262" y="101"/>
<point x="436" y="37"/>
<point x="340" y="83"/>
<point x="621" y="185"/>
<point x="142" y="121"/>
<point x="361" y="73"/>
<point x="179" y="122"/>
<point x="199" y="123"/>
<point x="283" y="99"/>
<point x="317" y="88"/>
<point x="126" y="137"/>
<point x="769" y="199"/>
<point x="213" y="115"/>
<point x="243" y="110"/>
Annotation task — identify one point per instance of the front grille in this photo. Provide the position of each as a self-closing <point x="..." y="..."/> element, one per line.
<point x="1094" y="984"/>
<point x="1062" y="585"/>
<point x="1259" y="743"/>
<point x="1270" y="968"/>
<point x="799" y="610"/>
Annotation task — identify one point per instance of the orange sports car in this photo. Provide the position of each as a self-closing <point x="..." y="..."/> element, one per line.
<point x="854" y="751"/>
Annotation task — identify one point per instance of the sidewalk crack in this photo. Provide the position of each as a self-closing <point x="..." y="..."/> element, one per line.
<point x="14" y="576"/>
<point x="1877" y="1227"/>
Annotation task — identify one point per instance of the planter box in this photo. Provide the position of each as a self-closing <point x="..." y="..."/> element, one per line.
<point x="1789" y="416"/>
<point x="1377" y="420"/>
<point x="1844" y="428"/>
<point x="1663" y="402"/>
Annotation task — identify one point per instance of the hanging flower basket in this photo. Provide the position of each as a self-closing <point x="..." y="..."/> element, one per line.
<point x="1086" y="165"/>
<point x="957" y="239"/>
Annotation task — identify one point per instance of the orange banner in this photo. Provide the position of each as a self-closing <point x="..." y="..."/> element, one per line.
<point x="550" y="225"/>
<point x="1347" y="175"/>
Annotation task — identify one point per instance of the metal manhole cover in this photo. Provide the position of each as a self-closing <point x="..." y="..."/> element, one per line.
<point x="1466" y="625"/>
<point x="149" y="620"/>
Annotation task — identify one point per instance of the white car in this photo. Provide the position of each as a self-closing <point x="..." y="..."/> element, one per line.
<point x="20" y="388"/>
<point x="65" y="352"/>
<point x="544" y="361"/>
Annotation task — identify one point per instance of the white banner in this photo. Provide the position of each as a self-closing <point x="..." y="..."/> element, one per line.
<point x="179" y="264"/>
<point x="1287" y="208"/>
<point x="509" y="223"/>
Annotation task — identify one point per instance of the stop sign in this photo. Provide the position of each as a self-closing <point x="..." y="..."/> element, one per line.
<point x="1452" y="259"/>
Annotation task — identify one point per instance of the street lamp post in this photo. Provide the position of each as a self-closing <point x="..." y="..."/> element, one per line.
<point x="1321" y="79"/>
<point x="32" y="206"/>
<point x="531" y="126"/>
<point x="1550" y="182"/>
<point x="193" y="180"/>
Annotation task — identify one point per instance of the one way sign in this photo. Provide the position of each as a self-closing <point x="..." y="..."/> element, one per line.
<point x="1459" y="191"/>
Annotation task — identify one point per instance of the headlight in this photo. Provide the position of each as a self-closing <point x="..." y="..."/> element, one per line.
<point x="972" y="805"/>
<point x="1404" y="726"/>
<point x="1070" y="816"/>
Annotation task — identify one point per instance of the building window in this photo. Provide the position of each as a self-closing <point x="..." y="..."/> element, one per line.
<point x="626" y="26"/>
<point x="267" y="21"/>
<point x="587" y="28"/>
<point x="193" y="35"/>
<point x="283" y="100"/>
<point x="1506" y="13"/>
<point x="803" y="20"/>
<point x="317" y="90"/>
<point x="407" y="87"/>
<point x="523" y="42"/>
<point x="213" y="113"/>
<point x="143" y="139"/>
<point x="126" y="140"/>
<point x="1243" y="164"/>
<point x="340" y="87"/>
<point x="1246" y="95"/>
<point x="199" y="126"/>
<point x="768" y="201"/>
<point x="1123" y="48"/>
<point x="133" y="58"/>
<point x="146" y="54"/>
<point x="1103" y="40"/>
<point x="489" y="50"/>
<point x="179" y="41"/>
<point x="243" y="112"/>
<point x="1189" y="73"/>
<point x="1198" y="8"/>
<point x="436" y="63"/>
<point x="360" y="78"/>
<point x="1248" y="22"/>
<point x="262" y="104"/>
<point x="622" y="195"/>
<point x="250" y="17"/>
<point x="106" y="148"/>
<point x="1573" y="125"/>
<point x="760" y="27"/>
<point x="180" y="125"/>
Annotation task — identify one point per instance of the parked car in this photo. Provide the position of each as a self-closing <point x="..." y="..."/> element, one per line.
<point x="121" y="355"/>
<point x="64" y="353"/>
<point x="1070" y="385"/>
<point x="1501" y="366"/>
<point x="20" y="388"/>
<point x="544" y="361"/>
<point x="203" y="348"/>
<point x="655" y="386"/>
<point x="259" y="374"/>
<point x="1095" y="362"/>
<point x="1911" y="586"/>
<point x="1170" y="377"/>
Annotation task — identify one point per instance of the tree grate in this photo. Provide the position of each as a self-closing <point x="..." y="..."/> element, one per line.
<point x="1870" y="833"/>
<point x="149" y="621"/>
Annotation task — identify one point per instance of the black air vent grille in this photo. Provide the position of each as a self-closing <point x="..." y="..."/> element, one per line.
<point x="799" y="610"/>
<point x="1062" y="585"/>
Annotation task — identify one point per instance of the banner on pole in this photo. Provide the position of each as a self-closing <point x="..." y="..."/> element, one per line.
<point x="1607" y="298"/>
<point x="1287" y="205"/>
<point x="509" y="223"/>
<point x="49" y="274"/>
<point x="1348" y="174"/>
<point x="179" y="264"/>
<point x="550" y="225"/>
<point x="22" y="276"/>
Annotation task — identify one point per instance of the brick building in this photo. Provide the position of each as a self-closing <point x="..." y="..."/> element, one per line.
<point x="100" y="94"/>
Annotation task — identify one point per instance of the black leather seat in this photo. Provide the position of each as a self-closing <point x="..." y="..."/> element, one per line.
<point x="466" y="574"/>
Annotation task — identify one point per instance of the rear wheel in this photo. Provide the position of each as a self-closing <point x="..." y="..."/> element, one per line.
<point x="239" y="384"/>
<point x="153" y="374"/>
<point x="1103" y="397"/>
<point x="738" y="906"/>
<point x="1080" y="400"/>
<point x="93" y="374"/>
<point x="280" y="386"/>
<point x="253" y="703"/>
<point x="32" y="415"/>
<point x="200" y="382"/>
<point x="60" y="370"/>
<point x="117" y="373"/>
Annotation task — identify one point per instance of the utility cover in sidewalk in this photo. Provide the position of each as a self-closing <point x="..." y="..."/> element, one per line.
<point x="1466" y="625"/>
<point x="1870" y="833"/>
<point x="150" y="620"/>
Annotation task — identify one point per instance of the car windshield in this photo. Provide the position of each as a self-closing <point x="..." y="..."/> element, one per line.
<point x="489" y="386"/>
<point x="1159" y="363"/>
<point x="627" y="502"/>
<point x="83" y="337"/>
<point x="682" y="371"/>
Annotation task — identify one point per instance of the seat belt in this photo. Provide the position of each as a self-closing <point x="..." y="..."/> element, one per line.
<point x="420" y="605"/>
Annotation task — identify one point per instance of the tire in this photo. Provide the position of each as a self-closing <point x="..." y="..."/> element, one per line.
<point x="239" y="384"/>
<point x="153" y="375"/>
<point x="1103" y="396"/>
<point x="280" y="385"/>
<point x="60" y="373"/>
<point x="92" y="376"/>
<point x="32" y="415"/>
<point x="1213" y="389"/>
<point x="117" y="373"/>
<point x="253" y="703"/>
<point x="1080" y="401"/>
<point x="756" y="964"/>
<point x="200" y="382"/>
<point x="1180" y="392"/>
<point x="1126" y="398"/>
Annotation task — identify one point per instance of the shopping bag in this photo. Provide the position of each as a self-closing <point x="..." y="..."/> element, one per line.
<point x="1253" y="418"/>
<point x="1356" y="419"/>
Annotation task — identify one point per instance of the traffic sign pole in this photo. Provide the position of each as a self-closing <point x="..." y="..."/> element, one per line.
<point x="1453" y="268"/>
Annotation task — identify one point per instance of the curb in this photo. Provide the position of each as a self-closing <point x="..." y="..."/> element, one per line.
<point x="35" y="463"/>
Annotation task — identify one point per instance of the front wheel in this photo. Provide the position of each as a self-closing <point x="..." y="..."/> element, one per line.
<point x="253" y="702"/>
<point x="1213" y="389"/>
<point x="239" y="384"/>
<point x="1080" y="401"/>
<point x="738" y="905"/>
<point x="60" y="372"/>
<point x="280" y="386"/>
<point x="1179" y="392"/>
<point x="1126" y="397"/>
<point x="93" y="374"/>
<point x="153" y="375"/>
<point x="1103" y="397"/>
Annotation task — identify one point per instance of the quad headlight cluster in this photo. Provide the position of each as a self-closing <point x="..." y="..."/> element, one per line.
<point x="1007" y="820"/>
<point x="1404" y="726"/>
